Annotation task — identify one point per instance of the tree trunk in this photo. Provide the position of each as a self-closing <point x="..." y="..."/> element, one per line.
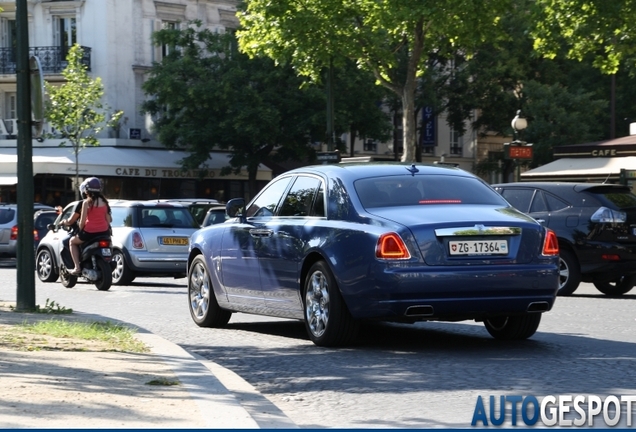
<point x="76" y="185"/>
<point x="352" y="140"/>
<point x="408" y="123"/>
<point x="408" y="94"/>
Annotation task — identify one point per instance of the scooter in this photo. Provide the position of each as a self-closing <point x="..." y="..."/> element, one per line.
<point x="95" y="262"/>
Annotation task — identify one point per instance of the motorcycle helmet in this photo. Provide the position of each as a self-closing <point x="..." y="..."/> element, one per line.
<point x="93" y="185"/>
<point x="82" y="188"/>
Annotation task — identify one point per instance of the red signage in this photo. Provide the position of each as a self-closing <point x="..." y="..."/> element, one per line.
<point x="520" y="152"/>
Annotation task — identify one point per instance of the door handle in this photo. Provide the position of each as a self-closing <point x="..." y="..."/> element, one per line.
<point x="260" y="233"/>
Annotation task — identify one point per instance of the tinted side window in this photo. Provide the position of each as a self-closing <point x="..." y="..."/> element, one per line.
<point x="519" y="198"/>
<point x="122" y="217"/>
<point x="538" y="203"/>
<point x="265" y="204"/>
<point x="554" y="203"/>
<point x="319" y="203"/>
<point x="300" y="197"/>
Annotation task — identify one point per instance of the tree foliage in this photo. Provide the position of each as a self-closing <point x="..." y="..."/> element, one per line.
<point x="206" y="94"/>
<point x="579" y="28"/>
<point x="75" y="109"/>
<point x="392" y="39"/>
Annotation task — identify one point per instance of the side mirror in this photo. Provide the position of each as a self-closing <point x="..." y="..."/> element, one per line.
<point x="236" y="208"/>
<point x="50" y="227"/>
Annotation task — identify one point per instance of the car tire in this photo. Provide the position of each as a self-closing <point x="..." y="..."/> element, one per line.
<point x="569" y="273"/>
<point x="122" y="274"/>
<point x="45" y="266"/>
<point x="204" y="308"/>
<point x="68" y="281"/>
<point x="516" y="327"/>
<point x="327" y="319"/>
<point x="105" y="282"/>
<point x="617" y="287"/>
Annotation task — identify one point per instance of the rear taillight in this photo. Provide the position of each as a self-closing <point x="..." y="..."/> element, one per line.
<point x="138" y="242"/>
<point x="610" y="257"/>
<point x="14" y="233"/>
<point x="36" y="237"/>
<point x="391" y="246"/>
<point x="606" y="215"/>
<point x="550" y="243"/>
<point x="104" y="243"/>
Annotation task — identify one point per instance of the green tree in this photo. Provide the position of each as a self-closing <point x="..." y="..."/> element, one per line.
<point x="358" y="106"/>
<point x="75" y="109"/>
<point x="206" y="94"/>
<point x="578" y="28"/>
<point x="391" y="38"/>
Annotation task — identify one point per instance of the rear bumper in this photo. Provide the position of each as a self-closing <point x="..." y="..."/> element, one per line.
<point x="156" y="263"/>
<point x="592" y="261"/>
<point x="439" y="294"/>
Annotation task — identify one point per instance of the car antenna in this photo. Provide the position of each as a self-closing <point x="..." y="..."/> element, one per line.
<point x="413" y="169"/>
<point x="608" y="176"/>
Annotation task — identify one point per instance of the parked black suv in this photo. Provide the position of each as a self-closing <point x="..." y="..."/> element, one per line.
<point x="596" y="227"/>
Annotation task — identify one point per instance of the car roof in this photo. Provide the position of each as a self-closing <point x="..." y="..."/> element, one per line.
<point x="373" y="169"/>
<point x="142" y="203"/>
<point x="43" y="211"/>
<point x="192" y="200"/>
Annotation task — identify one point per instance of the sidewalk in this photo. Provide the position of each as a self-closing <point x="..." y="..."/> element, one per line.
<point x="104" y="389"/>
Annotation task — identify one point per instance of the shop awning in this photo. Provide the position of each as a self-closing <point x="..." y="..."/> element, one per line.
<point x="7" y="180"/>
<point x="581" y="169"/>
<point x="119" y="162"/>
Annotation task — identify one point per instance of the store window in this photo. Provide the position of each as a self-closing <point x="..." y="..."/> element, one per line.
<point x="370" y="146"/>
<point x="456" y="143"/>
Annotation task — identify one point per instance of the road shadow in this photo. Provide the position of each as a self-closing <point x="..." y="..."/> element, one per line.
<point x="426" y="357"/>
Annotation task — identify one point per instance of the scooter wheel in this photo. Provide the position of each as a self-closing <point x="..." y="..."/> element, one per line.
<point x="68" y="280"/>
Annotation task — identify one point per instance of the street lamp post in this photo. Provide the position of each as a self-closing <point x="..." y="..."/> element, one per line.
<point x="518" y="149"/>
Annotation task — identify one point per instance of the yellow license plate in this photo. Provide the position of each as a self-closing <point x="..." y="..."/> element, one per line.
<point x="174" y="241"/>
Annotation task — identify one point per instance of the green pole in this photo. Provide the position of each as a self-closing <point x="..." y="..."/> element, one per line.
<point x="330" y="129"/>
<point x="25" y="255"/>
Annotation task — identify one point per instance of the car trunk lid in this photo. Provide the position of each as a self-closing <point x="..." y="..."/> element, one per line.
<point x="469" y="235"/>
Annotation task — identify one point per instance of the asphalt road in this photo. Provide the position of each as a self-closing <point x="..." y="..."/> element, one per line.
<point x="397" y="376"/>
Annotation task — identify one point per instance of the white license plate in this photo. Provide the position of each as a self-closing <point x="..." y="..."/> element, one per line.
<point x="478" y="247"/>
<point x="106" y="251"/>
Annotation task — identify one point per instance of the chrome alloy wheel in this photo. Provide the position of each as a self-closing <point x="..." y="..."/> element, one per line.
<point x="564" y="273"/>
<point x="317" y="304"/>
<point x="44" y="265"/>
<point x="199" y="291"/>
<point x="119" y="267"/>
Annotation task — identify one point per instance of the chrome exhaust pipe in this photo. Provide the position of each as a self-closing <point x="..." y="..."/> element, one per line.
<point x="538" y="307"/>
<point x="421" y="310"/>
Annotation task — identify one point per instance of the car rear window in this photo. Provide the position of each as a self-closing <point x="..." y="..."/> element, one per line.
<point x="621" y="198"/>
<point x="424" y="190"/>
<point x="173" y="217"/>
<point x="6" y="215"/>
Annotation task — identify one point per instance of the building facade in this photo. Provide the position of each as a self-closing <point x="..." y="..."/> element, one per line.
<point x="116" y="37"/>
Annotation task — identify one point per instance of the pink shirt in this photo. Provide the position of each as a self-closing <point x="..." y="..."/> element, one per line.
<point x="96" y="219"/>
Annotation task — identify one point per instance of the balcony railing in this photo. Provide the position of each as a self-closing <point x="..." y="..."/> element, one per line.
<point x="52" y="59"/>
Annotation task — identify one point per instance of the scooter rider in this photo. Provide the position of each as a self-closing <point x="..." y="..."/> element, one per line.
<point x="71" y="221"/>
<point x="94" y="220"/>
